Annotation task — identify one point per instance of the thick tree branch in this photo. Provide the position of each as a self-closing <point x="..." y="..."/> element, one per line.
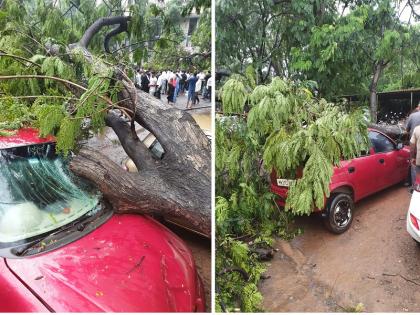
<point x="96" y="27"/>
<point x="136" y="149"/>
<point x="144" y="192"/>
<point x="123" y="27"/>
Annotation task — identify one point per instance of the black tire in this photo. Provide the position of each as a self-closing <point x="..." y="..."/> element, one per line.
<point x="338" y="220"/>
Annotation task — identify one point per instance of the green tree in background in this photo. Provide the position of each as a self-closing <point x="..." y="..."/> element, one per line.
<point x="352" y="54"/>
<point x="262" y="33"/>
<point x="348" y="47"/>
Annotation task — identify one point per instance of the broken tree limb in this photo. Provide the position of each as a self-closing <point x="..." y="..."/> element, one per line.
<point x="98" y="24"/>
<point x="122" y="27"/>
<point x="176" y="187"/>
<point x="395" y="132"/>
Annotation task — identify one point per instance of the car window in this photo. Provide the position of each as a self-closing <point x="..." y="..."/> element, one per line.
<point x="380" y="143"/>
<point x="38" y="193"/>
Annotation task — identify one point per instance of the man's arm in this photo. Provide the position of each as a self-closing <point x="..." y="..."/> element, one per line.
<point x="413" y="148"/>
<point x="408" y="125"/>
<point x="413" y="151"/>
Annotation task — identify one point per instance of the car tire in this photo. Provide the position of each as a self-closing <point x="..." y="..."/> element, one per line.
<point x="339" y="213"/>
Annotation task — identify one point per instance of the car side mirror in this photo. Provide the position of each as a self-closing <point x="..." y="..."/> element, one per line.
<point x="400" y="145"/>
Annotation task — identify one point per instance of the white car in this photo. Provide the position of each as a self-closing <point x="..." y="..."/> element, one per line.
<point x="413" y="216"/>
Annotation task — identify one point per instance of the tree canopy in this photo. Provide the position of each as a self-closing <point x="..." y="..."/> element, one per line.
<point x="347" y="47"/>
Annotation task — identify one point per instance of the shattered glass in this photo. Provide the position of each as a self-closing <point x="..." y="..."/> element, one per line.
<point x="38" y="193"/>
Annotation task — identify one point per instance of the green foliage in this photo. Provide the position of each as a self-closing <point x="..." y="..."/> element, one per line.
<point x="69" y="132"/>
<point x="332" y="42"/>
<point x="291" y="132"/>
<point x="53" y="107"/>
<point x="246" y="215"/>
<point x="234" y="96"/>
<point x="14" y="114"/>
<point x="49" y="118"/>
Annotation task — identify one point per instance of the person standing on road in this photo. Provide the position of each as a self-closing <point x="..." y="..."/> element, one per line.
<point x="153" y="84"/>
<point x="192" y="81"/>
<point x="138" y="79"/>
<point x="171" y="89"/>
<point x="412" y="123"/>
<point x="201" y="83"/>
<point x="182" y="82"/>
<point x="415" y="153"/>
<point x="198" y="89"/>
<point x="164" y="82"/>
<point x="209" y="86"/>
<point x="177" y="79"/>
<point x="145" y="80"/>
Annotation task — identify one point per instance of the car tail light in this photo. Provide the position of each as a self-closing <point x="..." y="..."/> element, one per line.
<point x="414" y="221"/>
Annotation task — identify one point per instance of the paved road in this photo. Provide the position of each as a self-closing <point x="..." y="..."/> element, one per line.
<point x="375" y="263"/>
<point x="181" y="102"/>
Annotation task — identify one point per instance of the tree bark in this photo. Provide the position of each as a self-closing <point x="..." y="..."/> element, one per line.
<point x="373" y="100"/>
<point x="178" y="186"/>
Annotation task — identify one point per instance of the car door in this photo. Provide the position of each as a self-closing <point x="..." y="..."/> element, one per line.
<point x="386" y="156"/>
<point x="362" y="172"/>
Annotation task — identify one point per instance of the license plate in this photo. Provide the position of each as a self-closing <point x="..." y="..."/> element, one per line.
<point x="284" y="182"/>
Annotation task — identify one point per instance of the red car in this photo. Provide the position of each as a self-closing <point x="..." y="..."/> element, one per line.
<point x="387" y="163"/>
<point x="63" y="249"/>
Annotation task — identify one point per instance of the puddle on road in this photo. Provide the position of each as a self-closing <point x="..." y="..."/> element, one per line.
<point x="323" y="272"/>
<point x="203" y="120"/>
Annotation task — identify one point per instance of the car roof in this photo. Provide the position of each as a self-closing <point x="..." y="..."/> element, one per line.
<point x="23" y="137"/>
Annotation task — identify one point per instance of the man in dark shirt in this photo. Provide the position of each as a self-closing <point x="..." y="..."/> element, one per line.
<point x="192" y="81"/>
<point x="145" y="80"/>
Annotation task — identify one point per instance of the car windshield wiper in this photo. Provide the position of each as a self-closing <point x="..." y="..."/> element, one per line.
<point x="40" y="243"/>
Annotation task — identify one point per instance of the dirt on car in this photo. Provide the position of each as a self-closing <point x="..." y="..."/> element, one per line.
<point x="374" y="266"/>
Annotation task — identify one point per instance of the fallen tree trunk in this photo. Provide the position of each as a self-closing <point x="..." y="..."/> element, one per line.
<point x="395" y="132"/>
<point x="178" y="186"/>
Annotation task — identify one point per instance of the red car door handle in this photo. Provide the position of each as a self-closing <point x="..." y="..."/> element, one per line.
<point x="351" y="169"/>
<point x="381" y="161"/>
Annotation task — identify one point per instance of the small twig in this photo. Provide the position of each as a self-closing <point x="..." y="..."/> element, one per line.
<point x="193" y="108"/>
<point x="403" y="277"/>
<point x="41" y="96"/>
<point x="18" y="58"/>
<point x="242" y="272"/>
<point x="232" y="114"/>
<point x="88" y="96"/>
<point x="35" y="76"/>
<point x="137" y="265"/>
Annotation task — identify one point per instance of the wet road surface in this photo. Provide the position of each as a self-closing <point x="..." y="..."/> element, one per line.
<point x="375" y="263"/>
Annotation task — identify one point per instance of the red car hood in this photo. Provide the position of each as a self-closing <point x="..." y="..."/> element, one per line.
<point x="22" y="137"/>
<point x="129" y="264"/>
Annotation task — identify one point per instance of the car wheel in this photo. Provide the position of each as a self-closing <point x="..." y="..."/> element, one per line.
<point x="339" y="213"/>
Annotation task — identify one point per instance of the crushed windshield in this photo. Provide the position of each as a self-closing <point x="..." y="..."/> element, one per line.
<point x="38" y="193"/>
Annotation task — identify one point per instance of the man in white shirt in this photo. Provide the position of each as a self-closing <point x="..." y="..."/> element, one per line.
<point x="209" y="87"/>
<point x="201" y="77"/>
<point x="159" y="83"/>
<point x="138" y="79"/>
<point x="164" y="82"/>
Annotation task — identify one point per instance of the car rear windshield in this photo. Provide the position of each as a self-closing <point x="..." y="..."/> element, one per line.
<point x="38" y="193"/>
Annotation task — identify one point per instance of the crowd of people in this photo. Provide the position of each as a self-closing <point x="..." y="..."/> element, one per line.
<point x="174" y="84"/>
